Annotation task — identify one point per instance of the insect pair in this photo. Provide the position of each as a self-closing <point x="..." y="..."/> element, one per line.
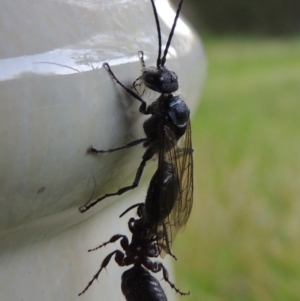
<point x="170" y="193"/>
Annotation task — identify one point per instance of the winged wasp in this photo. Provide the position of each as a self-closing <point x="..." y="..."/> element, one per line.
<point x="168" y="136"/>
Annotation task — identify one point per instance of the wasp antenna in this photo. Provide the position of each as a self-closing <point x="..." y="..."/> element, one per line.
<point x="158" y="33"/>
<point x="163" y="60"/>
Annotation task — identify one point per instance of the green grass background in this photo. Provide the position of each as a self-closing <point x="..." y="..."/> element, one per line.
<point x="242" y="241"/>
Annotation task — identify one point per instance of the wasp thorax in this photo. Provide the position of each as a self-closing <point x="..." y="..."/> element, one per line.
<point x="160" y="79"/>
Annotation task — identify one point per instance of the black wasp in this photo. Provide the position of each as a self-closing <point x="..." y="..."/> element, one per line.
<point x="168" y="135"/>
<point x="137" y="283"/>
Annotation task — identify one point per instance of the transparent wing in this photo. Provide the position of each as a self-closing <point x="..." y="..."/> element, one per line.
<point x="177" y="193"/>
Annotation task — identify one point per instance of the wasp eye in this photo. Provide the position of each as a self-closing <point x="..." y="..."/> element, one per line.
<point x="160" y="79"/>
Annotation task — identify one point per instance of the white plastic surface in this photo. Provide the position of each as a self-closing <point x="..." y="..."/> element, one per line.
<point x="55" y="101"/>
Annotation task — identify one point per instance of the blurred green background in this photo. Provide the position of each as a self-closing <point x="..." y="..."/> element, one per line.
<point x="242" y="241"/>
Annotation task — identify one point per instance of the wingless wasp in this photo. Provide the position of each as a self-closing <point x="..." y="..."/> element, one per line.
<point x="168" y="135"/>
<point x="137" y="282"/>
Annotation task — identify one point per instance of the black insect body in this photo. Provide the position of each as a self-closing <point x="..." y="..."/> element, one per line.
<point x="138" y="252"/>
<point x="162" y="197"/>
<point x="168" y="135"/>
<point x="138" y="284"/>
<point x="170" y="114"/>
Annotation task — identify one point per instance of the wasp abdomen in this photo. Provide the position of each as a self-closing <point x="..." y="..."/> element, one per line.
<point x="138" y="284"/>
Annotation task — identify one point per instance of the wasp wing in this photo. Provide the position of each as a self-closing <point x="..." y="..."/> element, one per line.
<point x="176" y="166"/>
